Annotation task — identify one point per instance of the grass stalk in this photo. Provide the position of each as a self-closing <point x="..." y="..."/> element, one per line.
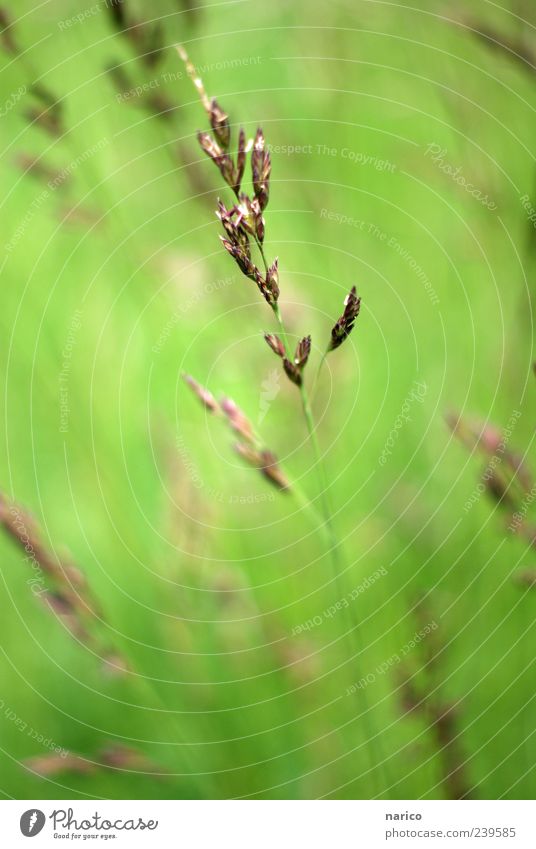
<point x="243" y="224"/>
<point x="336" y="553"/>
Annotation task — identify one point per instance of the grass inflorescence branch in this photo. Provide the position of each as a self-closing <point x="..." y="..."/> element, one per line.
<point x="244" y="228"/>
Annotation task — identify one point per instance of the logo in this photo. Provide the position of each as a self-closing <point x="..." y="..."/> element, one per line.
<point x="31" y="822"/>
<point x="270" y="389"/>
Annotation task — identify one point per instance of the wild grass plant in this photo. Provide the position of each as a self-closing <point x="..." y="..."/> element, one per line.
<point x="315" y="584"/>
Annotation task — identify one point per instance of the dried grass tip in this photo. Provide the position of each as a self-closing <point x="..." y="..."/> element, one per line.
<point x="294" y="368"/>
<point x="237" y="419"/>
<point x="206" y="397"/>
<point x="266" y="462"/>
<point x="261" y="167"/>
<point x="345" y="324"/>
<point x="275" y="344"/>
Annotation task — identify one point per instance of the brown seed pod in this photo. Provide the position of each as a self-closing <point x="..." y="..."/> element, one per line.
<point x="266" y="462"/>
<point x="275" y="344"/>
<point x="293" y="369"/>
<point x="345" y="324"/>
<point x="219" y="121"/>
<point x="206" y="397"/>
<point x="222" y="160"/>
<point x="272" y="278"/>
<point x="237" y="419"/>
<point x="236" y="233"/>
<point x="240" y="159"/>
<point x="261" y="167"/>
<point x="303" y="349"/>
<point x="268" y="290"/>
<point x="293" y="373"/>
<point x="241" y="256"/>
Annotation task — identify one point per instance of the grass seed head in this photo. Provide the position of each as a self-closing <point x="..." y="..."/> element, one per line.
<point x="250" y="216"/>
<point x="266" y="462"/>
<point x="7" y="40"/>
<point x="275" y="344"/>
<point x="237" y="419"/>
<point x="249" y="220"/>
<point x="206" y="397"/>
<point x="241" y="157"/>
<point x="294" y="368"/>
<point x="293" y="373"/>
<point x="272" y="277"/>
<point x="236" y="232"/>
<point x="345" y="324"/>
<point x="261" y="167"/>
<point x="219" y="121"/>
<point x="268" y="289"/>
<point x="221" y="159"/>
<point x="271" y="471"/>
<point x="303" y="349"/>
<point x="242" y="258"/>
<point x="195" y="78"/>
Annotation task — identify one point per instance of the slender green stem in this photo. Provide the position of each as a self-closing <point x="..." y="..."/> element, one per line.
<point x="298" y="493"/>
<point x="319" y="369"/>
<point x="321" y="475"/>
<point x="282" y="330"/>
<point x="374" y="740"/>
<point x="338" y="558"/>
<point x="335" y="552"/>
<point x="263" y="255"/>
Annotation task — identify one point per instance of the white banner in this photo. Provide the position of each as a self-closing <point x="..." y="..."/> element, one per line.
<point x="269" y="824"/>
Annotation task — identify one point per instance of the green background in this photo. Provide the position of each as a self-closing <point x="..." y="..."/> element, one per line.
<point x="202" y="571"/>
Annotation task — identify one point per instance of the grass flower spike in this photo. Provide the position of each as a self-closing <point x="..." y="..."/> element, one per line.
<point x="261" y="167"/>
<point x="293" y="368"/>
<point x="345" y="323"/>
<point x="275" y="344"/>
<point x="245" y="227"/>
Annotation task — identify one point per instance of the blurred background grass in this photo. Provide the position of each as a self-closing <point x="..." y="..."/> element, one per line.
<point x="202" y="574"/>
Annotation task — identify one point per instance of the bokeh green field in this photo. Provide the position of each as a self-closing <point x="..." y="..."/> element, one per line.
<point x="203" y="573"/>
